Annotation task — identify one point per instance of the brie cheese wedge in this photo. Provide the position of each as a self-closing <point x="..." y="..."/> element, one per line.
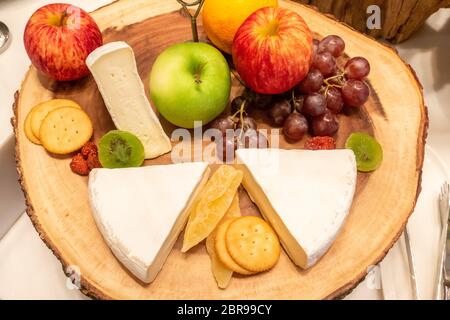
<point x="114" y="69"/>
<point x="141" y="211"/>
<point x="304" y="195"/>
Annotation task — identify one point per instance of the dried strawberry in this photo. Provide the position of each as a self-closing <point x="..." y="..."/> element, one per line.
<point x="79" y="165"/>
<point x="320" y="143"/>
<point x="88" y="148"/>
<point x="93" y="161"/>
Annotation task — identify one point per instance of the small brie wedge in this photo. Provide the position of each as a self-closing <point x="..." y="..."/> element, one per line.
<point x="141" y="211"/>
<point x="113" y="66"/>
<point x="305" y="195"/>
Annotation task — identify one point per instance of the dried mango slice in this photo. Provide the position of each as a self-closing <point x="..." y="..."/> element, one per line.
<point x="212" y="204"/>
<point x="220" y="272"/>
<point x="234" y="211"/>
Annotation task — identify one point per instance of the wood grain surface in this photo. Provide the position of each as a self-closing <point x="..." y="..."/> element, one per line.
<point x="58" y="205"/>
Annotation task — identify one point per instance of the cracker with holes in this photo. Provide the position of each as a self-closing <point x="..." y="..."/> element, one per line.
<point x="221" y="248"/>
<point x="252" y="244"/>
<point x="65" y="130"/>
<point x="27" y="127"/>
<point x="40" y="112"/>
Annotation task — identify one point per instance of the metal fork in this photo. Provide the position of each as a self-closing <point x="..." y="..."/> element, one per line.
<point x="412" y="269"/>
<point x="444" y="208"/>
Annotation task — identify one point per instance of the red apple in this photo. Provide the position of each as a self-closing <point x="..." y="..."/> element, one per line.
<point x="272" y="50"/>
<point x="58" y="38"/>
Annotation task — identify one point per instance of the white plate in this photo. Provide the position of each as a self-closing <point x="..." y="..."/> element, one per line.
<point x="12" y="203"/>
<point x="424" y="229"/>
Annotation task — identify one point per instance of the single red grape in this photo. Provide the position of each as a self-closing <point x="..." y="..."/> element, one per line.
<point x="332" y="44"/>
<point x="335" y="103"/>
<point x="357" y="68"/>
<point x="325" y="125"/>
<point x="314" y="105"/>
<point x="295" y="127"/>
<point x="312" y="82"/>
<point x="223" y="124"/>
<point x="280" y="111"/>
<point x="355" y="93"/>
<point x="325" y="63"/>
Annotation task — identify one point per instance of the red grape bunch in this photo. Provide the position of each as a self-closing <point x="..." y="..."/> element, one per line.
<point x="311" y="107"/>
<point x="327" y="89"/>
<point x="239" y="130"/>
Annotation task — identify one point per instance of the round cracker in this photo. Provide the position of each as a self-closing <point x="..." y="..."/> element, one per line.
<point x="221" y="248"/>
<point x="44" y="108"/>
<point x="65" y="130"/>
<point x="27" y="128"/>
<point x="252" y="244"/>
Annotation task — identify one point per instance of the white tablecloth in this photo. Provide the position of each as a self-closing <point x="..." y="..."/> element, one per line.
<point x="27" y="267"/>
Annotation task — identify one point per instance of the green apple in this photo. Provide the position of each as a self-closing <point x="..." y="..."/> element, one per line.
<point x="190" y="82"/>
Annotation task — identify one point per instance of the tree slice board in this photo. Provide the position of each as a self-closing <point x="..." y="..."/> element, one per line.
<point x="58" y="205"/>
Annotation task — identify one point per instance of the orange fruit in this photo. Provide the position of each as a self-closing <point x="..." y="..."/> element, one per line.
<point x="222" y="18"/>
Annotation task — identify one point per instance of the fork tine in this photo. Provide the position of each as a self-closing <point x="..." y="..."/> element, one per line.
<point x="443" y="214"/>
<point x="446" y="190"/>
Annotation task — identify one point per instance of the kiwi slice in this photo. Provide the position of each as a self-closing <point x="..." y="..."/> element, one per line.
<point x="120" y="149"/>
<point x="368" y="151"/>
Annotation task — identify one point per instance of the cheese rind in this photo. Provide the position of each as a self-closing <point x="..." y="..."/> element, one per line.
<point x="141" y="211"/>
<point x="305" y="195"/>
<point x="115" y="72"/>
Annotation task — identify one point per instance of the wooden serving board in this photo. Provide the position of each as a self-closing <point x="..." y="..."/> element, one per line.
<point x="58" y="205"/>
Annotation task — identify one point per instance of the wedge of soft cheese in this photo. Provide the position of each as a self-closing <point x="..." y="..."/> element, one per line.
<point x="305" y="195"/>
<point x="141" y="211"/>
<point x="114" y="69"/>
